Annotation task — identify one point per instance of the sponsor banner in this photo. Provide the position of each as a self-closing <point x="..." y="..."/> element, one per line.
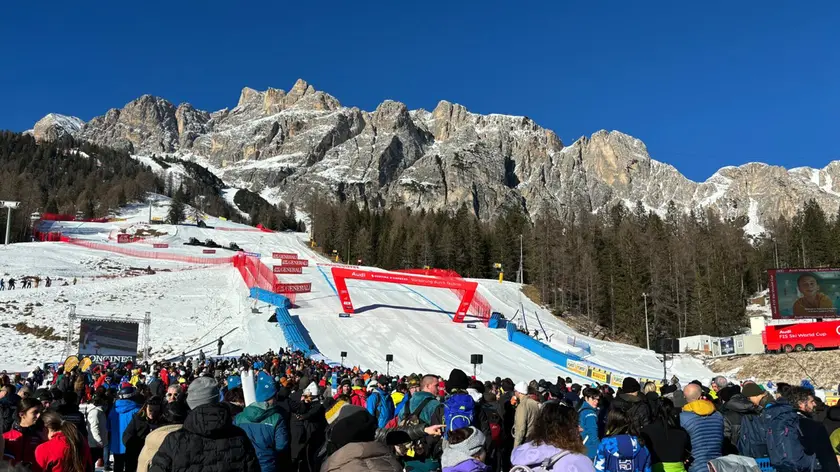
<point x="209" y="251"/>
<point x="599" y="375"/>
<point x="344" y="315"/>
<point x="616" y="380"/>
<point x="123" y="238"/>
<point x="292" y="288"/>
<point x="160" y="245"/>
<point x="253" y="254"/>
<point x="96" y="359"/>
<point x="804" y="293"/>
<point x="284" y="269"/>
<point x="283" y="255"/>
<point x="295" y="262"/>
<point x="577" y="367"/>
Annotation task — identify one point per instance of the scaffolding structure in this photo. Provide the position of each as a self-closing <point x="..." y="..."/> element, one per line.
<point x="73" y="318"/>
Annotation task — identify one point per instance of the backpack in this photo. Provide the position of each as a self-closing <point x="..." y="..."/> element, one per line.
<point x="544" y="465"/>
<point x="627" y="459"/>
<point x="458" y="412"/>
<point x="784" y="439"/>
<point x="414" y="448"/>
<point x="752" y="439"/>
<point x="496" y="424"/>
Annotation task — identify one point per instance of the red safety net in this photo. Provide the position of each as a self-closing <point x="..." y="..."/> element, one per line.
<point x="479" y="307"/>
<point x="163" y="256"/>
<point x="257" y="274"/>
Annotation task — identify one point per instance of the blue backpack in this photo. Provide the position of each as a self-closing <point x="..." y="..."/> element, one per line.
<point x="458" y="412"/>
<point x="624" y="453"/>
<point x="752" y="439"/>
<point x="784" y="439"/>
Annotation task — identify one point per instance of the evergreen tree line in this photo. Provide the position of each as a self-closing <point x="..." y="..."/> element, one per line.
<point x="69" y="176"/>
<point x="694" y="271"/>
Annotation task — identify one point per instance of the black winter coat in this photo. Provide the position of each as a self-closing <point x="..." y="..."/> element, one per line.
<point x="816" y="441"/>
<point x="208" y="442"/>
<point x="832" y="419"/>
<point x="308" y="425"/>
<point x="134" y="437"/>
<point x="733" y="414"/>
<point x="8" y="411"/>
<point x="157" y="387"/>
<point x="71" y="414"/>
<point x="636" y="408"/>
<point x="666" y="443"/>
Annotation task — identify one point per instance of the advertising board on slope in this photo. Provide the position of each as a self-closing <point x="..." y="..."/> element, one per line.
<point x="284" y="269"/>
<point x="283" y="255"/>
<point x="295" y="262"/>
<point x="804" y="293"/>
<point x="292" y="288"/>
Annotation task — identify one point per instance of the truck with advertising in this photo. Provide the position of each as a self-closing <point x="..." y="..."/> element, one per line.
<point x="801" y="336"/>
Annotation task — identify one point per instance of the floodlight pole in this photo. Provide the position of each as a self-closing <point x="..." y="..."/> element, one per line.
<point x="8" y="224"/>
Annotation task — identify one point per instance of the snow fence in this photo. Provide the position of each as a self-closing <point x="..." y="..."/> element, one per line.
<point x="570" y="362"/>
<point x="163" y="256"/>
<point x="291" y="329"/>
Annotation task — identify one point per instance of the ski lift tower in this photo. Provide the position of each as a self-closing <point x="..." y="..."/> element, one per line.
<point x="10" y="205"/>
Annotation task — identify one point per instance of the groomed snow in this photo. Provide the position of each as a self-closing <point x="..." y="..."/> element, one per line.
<point x="193" y="305"/>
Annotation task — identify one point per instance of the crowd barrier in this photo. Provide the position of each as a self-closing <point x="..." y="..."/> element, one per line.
<point x="163" y="256"/>
<point x="571" y="362"/>
<point x="480" y="307"/>
<point x="294" y="338"/>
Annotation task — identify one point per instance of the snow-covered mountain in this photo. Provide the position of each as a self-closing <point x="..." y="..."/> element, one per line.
<point x="304" y="141"/>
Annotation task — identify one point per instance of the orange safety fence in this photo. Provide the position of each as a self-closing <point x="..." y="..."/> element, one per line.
<point x="479" y="307"/>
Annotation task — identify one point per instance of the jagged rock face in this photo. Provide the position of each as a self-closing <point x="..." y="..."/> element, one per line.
<point x="303" y="142"/>
<point x="54" y="127"/>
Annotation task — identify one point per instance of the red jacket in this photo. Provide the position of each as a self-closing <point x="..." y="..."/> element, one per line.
<point x="51" y="455"/>
<point x="359" y="398"/>
<point x="21" y="443"/>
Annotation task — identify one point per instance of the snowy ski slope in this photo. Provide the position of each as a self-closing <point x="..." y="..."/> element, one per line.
<point x="193" y="305"/>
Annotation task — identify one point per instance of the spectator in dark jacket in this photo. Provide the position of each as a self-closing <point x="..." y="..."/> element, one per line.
<point x="156" y="385"/>
<point x="307" y="427"/>
<point x="8" y="407"/>
<point x="734" y="410"/>
<point x="144" y="422"/>
<point x="668" y="443"/>
<point x="70" y="412"/>
<point x="634" y="406"/>
<point x="704" y="426"/>
<point x="814" y="438"/>
<point x="209" y="440"/>
<point x="832" y="419"/>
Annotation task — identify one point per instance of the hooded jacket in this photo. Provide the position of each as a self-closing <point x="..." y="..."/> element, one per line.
<point x="381" y="406"/>
<point x="209" y="441"/>
<point x="832" y="419"/>
<point x="533" y="455"/>
<point x="588" y="418"/>
<point x="734" y="412"/>
<point x="362" y="457"/>
<point x="118" y="420"/>
<point x="622" y="453"/>
<point x="264" y="425"/>
<point x="97" y="422"/>
<point x="635" y="407"/>
<point x="704" y="426"/>
<point x="21" y="442"/>
<point x="152" y="445"/>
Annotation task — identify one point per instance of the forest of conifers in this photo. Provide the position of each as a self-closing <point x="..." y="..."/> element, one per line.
<point x="697" y="270"/>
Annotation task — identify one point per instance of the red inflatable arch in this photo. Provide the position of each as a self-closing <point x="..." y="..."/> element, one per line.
<point x="341" y="274"/>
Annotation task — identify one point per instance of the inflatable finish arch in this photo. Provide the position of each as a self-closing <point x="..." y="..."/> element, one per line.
<point x="341" y="274"/>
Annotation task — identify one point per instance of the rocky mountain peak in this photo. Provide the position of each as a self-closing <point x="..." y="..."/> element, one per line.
<point x="292" y="144"/>
<point x="54" y="126"/>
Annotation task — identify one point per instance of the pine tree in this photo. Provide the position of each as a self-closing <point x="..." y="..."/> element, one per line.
<point x="177" y="210"/>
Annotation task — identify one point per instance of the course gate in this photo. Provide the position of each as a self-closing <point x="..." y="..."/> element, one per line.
<point x="341" y="274"/>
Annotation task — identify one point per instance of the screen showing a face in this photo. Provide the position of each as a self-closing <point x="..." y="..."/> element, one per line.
<point x="108" y="338"/>
<point x="805" y="293"/>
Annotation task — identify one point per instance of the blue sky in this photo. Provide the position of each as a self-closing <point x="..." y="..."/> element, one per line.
<point x="703" y="84"/>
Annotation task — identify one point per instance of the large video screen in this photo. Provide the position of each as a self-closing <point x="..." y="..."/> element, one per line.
<point x="107" y="338"/>
<point x="804" y="293"/>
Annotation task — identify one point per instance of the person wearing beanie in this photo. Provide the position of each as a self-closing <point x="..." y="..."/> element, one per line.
<point x="736" y="408"/>
<point x="527" y="411"/>
<point x="353" y="447"/>
<point x="633" y="405"/>
<point x="208" y="440"/>
<point x="379" y="403"/>
<point x="263" y="422"/>
<point x="118" y="420"/>
<point x="464" y="451"/>
<point x="307" y="426"/>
